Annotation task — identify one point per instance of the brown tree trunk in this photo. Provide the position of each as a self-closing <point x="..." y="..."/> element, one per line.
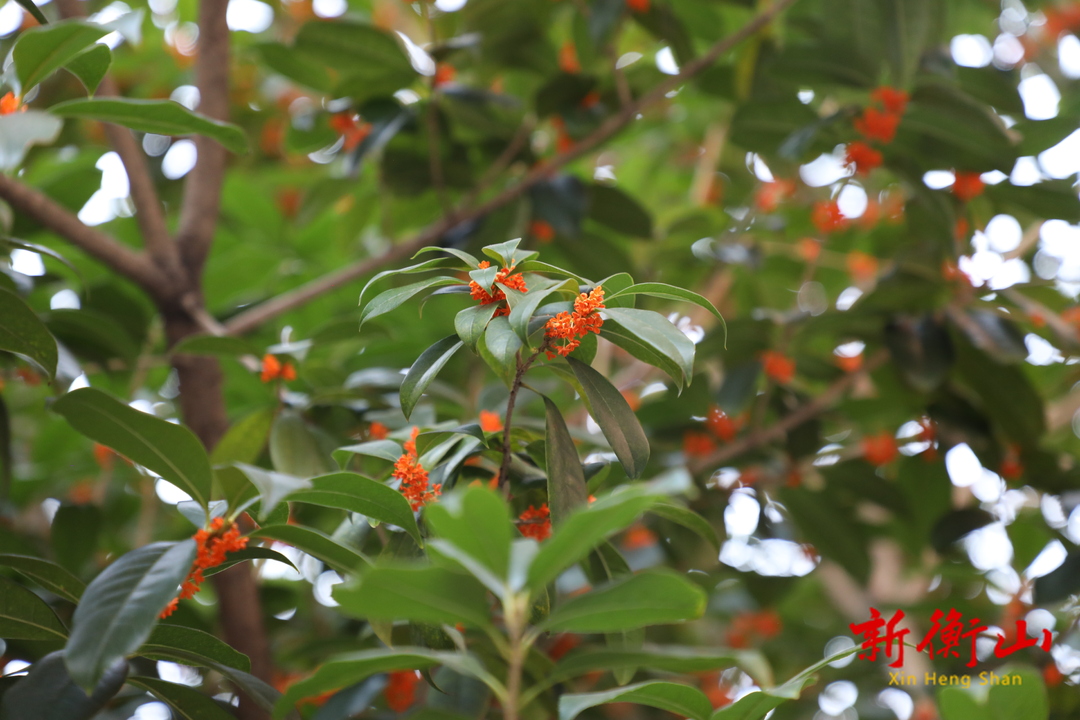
<point x="202" y="403"/>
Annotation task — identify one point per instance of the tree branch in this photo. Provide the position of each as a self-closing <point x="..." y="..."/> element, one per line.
<point x="128" y="262"/>
<point x="252" y="318"/>
<point x="202" y="191"/>
<point x="777" y="431"/>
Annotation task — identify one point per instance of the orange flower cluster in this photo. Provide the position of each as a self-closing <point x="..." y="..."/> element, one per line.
<point x="346" y="125"/>
<point x="697" y="444"/>
<point x="11" y="103"/>
<point x="748" y="626"/>
<point x="542" y="231"/>
<point x="770" y="194"/>
<point x="880" y="123"/>
<point x="413" y="477"/>
<point x="879" y="449"/>
<point x="967" y="186"/>
<point x="504" y="276"/>
<point x="400" y="690"/>
<point x="721" y="424"/>
<point x="778" y="367"/>
<point x="637" y="537"/>
<point x="444" y="73"/>
<point x="638" y="6"/>
<point x="378" y="431"/>
<point x="535" y="522"/>
<point x="490" y="421"/>
<point x="272" y="369"/>
<point x="827" y="217"/>
<point x="862" y="156"/>
<point x="213" y="545"/>
<point x="576" y="325"/>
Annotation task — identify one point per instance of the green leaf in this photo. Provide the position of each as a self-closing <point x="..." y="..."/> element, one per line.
<point x="359" y="494"/>
<point x="294" y="66"/>
<point x="25" y="616"/>
<point x="683" y="700"/>
<point x="612" y="207"/>
<point x="509" y="254"/>
<point x="352" y="47"/>
<point x="273" y="486"/>
<point x="424" y="370"/>
<point x="671" y="292"/>
<point x="315" y="543"/>
<point x="654" y="597"/>
<point x="422" y="594"/>
<point x="411" y="269"/>
<point x="425" y="441"/>
<point x="187" y="703"/>
<point x="470" y="323"/>
<point x="171" y="451"/>
<point x="384" y="449"/>
<point x="162" y="117"/>
<point x="615" y="418"/>
<point x="22" y="333"/>
<point x="477" y="522"/>
<point x="90" y="66"/>
<point x="523" y="305"/>
<point x="121" y="606"/>
<point x="461" y="255"/>
<point x="657" y="332"/>
<point x="1008" y="396"/>
<point x="391" y="299"/>
<point x="33" y="9"/>
<point x="689" y="520"/>
<point x="249" y="553"/>
<point x="1059" y="583"/>
<point x="221" y="345"/>
<point x="295" y="448"/>
<point x="48" y="575"/>
<point x="41" y="51"/>
<point x="245" y="440"/>
<point x="182" y="644"/>
<point x="566" y="480"/>
<point x="48" y="693"/>
<point x="669" y="658"/>
<point x="502" y="344"/>
<point x="631" y="343"/>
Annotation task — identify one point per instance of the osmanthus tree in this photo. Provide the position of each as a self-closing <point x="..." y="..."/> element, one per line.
<point x="545" y="495"/>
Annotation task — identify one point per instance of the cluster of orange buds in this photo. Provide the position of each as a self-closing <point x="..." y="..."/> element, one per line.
<point x="413" y="476"/>
<point x="349" y="127"/>
<point x="490" y="421"/>
<point x="879" y="449"/>
<point x="535" y="522"/>
<point x="400" y="690"/>
<point x="11" y="103"/>
<point x="880" y="120"/>
<point x="572" y="326"/>
<point x="274" y="369"/>
<point x="213" y="545"/>
<point x="771" y="194"/>
<point x="721" y="424"/>
<point x="827" y="217"/>
<point x="967" y="186"/>
<point x="748" y="626"/>
<point x="506" y="277"/>
<point x="778" y="367"/>
<point x="862" y="157"/>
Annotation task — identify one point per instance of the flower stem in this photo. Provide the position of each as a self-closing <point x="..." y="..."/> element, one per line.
<point x="519" y="375"/>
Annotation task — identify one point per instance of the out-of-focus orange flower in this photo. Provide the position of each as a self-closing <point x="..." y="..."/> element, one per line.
<point x="288" y="201"/>
<point x="721" y="424"/>
<point x="869" y="219"/>
<point x="444" y="73"/>
<point x="893" y="100"/>
<point x="879" y="449"/>
<point x="212" y="544"/>
<point x="535" y="523"/>
<point x="861" y="267"/>
<point x="638" y="6"/>
<point x="28" y="376"/>
<point x="1052" y="676"/>
<point x="104" y="456"/>
<point x="490" y="421"/>
<point x="892" y="207"/>
<point x="849" y="363"/>
<point x="863" y="157"/>
<point x="720" y="693"/>
<point x="747" y="627"/>
<point x="778" y="367"/>
<point x="809" y="249"/>
<point x="591" y="100"/>
<point x="771" y="194"/>
<point x="82" y="492"/>
<point x="563" y="142"/>
<point x="638" y="536"/>
<point x="572" y="326"/>
<point x="697" y="444"/>
<point x="961" y="228"/>
<point x="1072" y="316"/>
<point x="967" y="186"/>
<point x="400" y="690"/>
<point x="1011" y="467"/>
<point x="827" y="217"/>
<point x="749" y="476"/>
<point x="951" y="271"/>
<point x="274" y="369"/>
<point x="378" y="431"/>
<point x="272" y="137"/>
<point x="562" y="644"/>
<point x="348" y="126"/>
<point x="875" y="124"/>
<point x="632" y="399"/>
<point x="568" y="59"/>
<point x="11" y="103"/>
<point x="542" y="231"/>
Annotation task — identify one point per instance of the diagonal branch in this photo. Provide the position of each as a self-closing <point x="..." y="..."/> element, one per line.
<point x="128" y="262"/>
<point x="259" y="314"/>
<point x="202" y="191"/>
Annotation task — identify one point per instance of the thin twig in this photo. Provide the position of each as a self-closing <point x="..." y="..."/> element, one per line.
<point x="285" y="302"/>
<point x="438" y="180"/>
<point x="519" y="375"/>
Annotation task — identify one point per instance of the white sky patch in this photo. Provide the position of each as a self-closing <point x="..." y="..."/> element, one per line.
<point x="1040" y="96"/>
<point x="177" y="673"/>
<point x="324" y="587"/>
<point x="1072" y="528"/>
<point x="1007" y="50"/>
<point x="1062" y="160"/>
<point x="1069" y="56"/>
<point x="65" y="300"/>
<point x="1047" y="561"/>
<point x="450" y="5"/>
<point x="742" y="513"/>
<point x="152" y="711"/>
<point x="627" y="59"/>
<point x="852" y="200"/>
<point x="805" y="96"/>
<point x="10" y="18"/>
<point x="1004" y="233"/>
<point x="15" y="666"/>
<point x="187" y="95"/>
<point x="847" y="298"/>
<point x="1040" y="351"/>
<point x="27" y="262"/>
<point x="419" y="58"/>
<point x="107" y="203"/>
<point x="1009" y="273"/>
<point x="249" y="16"/>
<point x="838" y="697"/>
<point x="971" y="50"/>
<point x="330" y="8"/>
<point x="962" y="465"/>
<point x="839" y="644"/>
<point x="1025" y="172"/>
<point x="898" y="701"/>
<point x="824" y="170"/>
<point x="994" y="177"/>
<point x="938" y="179"/>
<point x="758" y="167"/>
<point x="989" y="547"/>
<point x="179" y="160"/>
<point x="169" y="493"/>
<point x="665" y="62"/>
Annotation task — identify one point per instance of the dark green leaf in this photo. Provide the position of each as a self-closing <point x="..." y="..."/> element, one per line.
<point x="649" y="598"/>
<point x="689" y="520"/>
<point x="47" y="574"/>
<point x="25" y="616"/>
<point x="90" y="66"/>
<point x="187" y="703"/>
<point x="245" y="440"/>
<point x="523" y="305"/>
<point x="424" y="370"/>
<point x="359" y="494"/>
<point x="612" y="207"/>
<point x="181" y="644"/>
<point x="249" y="553"/>
<point x="48" y="693"/>
<point x="683" y="700"/>
<point x="479" y="525"/>
<point x="41" y="51"/>
<point x="422" y="594"/>
<point x="33" y="9"/>
<point x="566" y="479"/>
<point x="391" y="299"/>
<point x="502" y="344"/>
<point x="670" y="658"/>
<point x="471" y="323"/>
<point x="615" y="418"/>
<point x="660" y="335"/>
<point x="22" y="333"/>
<point x="294" y="66"/>
<point x="315" y="543"/>
<point x="671" y="292"/>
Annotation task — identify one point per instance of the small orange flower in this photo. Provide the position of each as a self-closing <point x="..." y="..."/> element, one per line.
<point x="1052" y="676"/>
<point x="288" y="201"/>
<point x="849" y="364"/>
<point x="563" y="142"/>
<point x="490" y="421"/>
<point x="632" y="399"/>
<point x="894" y="101"/>
<point x="637" y="537"/>
<point x="572" y="326"/>
<point x="809" y="249"/>
<point x="719" y="692"/>
<point x="213" y="544"/>
<point x="591" y="100"/>
<point x="346" y="125"/>
<point x="771" y="194"/>
<point x="863" y="157"/>
<point x="967" y="186"/>
<point x="1011" y="467"/>
<point x="104" y="456"/>
<point x="778" y="367"/>
<point x="535" y="523"/>
<point x="11" y="103"/>
<point x="378" y="431"/>
<point x="444" y="73"/>
<point x="563" y="644"/>
<point x="875" y="124"/>
<point x="961" y="228"/>
<point x="861" y="266"/>
<point x="274" y="369"/>
<point x="697" y="444"/>
<point x="504" y="277"/>
<point x="400" y="690"/>
<point x="827" y="217"/>
<point x="638" y="6"/>
<point x="542" y="231"/>
<point x="568" y="59"/>
<point x="869" y="219"/>
<point x="413" y="476"/>
<point x="721" y="424"/>
<point x="879" y="449"/>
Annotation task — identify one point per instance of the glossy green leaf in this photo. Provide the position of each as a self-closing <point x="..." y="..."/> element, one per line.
<point x="252" y="552"/>
<point x="273" y="486"/>
<point x="637" y="347"/>
<point x="181" y="644"/>
<point x="616" y="419"/>
<point x="477" y="522"/>
<point x="22" y="333"/>
<point x="120" y="607"/>
<point x="295" y="66"/>
<point x="90" y="66"/>
<point x="315" y="543"/>
<point x="48" y="575"/>
<point x="470" y="323"/>
<point x="41" y="51"/>
<point x="683" y="700"/>
<point x="393" y="298"/>
<point x="162" y="117"/>
<point x="171" y="451"/>
<point x="503" y="344"/>
<point x="187" y="703"/>
<point x="669" y="658"/>
<point x="48" y="693"/>
<point x="689" y="520"/>
<point x="25" y="616"/>
<point x="295" y="447"/>
<point x="566" y="480"/>
<point x="654" y="597"/>
<point x="359" y="494"/>
<point x="245" y="439"/>
<point x="657" y="332"/>
<point x="384" y="449"/>
<point x="423" y="594"/>
<point x="352" y="47"/>
<point x="671" y="292"/>
<point x="425" y="369"/>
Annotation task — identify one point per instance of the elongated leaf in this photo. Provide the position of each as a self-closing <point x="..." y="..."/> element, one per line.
<point x="273" y="486"/>
<point x="25" y="616"/>
<point x="294" y="66"/>
<point x="524" y="305"/>
<point x="384" y="449"/>
<point x="162" y="117"/>
<point x="615" y="418"/>
<point x="502" y="344"/>
<point x="683" y="700"/>
<point x="418" y="267"/>
<point x="121" y="606"/>
<point x="33" y="9"/>
<point x="359" y="494"/>
<point x="315" y="543"/>
<point x="648" y="598"/>
<point x="424" y="370"/>
<point x="672" y="292"/>
<point x="467" y="258"/>
<point x="658" y="333"/>
<point x="249" y="553"/>
<point x="641" y="350"/>
<point x="245" y="440"/>
<point x="423" y="594"/>
<point x="509" y="253"/>
<point x="566" y="479"/>
<point x="389" y="300"/>
<point x="689" y="520"/>
<point x="187" y="703"/>
<point x="348" y="45"/>
<point x="48" y="693"/>
<point x="47" y="574"/>
<point x="295" y="447"/>
<point x="41" y="51"/>
<point x="171" y="451"/>
<point x="471" y="323"/>
<point x="181" y="644"/>
<point x="670" y="658"/>
<point x="22" y="333"/>
<point x="90" y="66"/>
<point x="479" y="525"/>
